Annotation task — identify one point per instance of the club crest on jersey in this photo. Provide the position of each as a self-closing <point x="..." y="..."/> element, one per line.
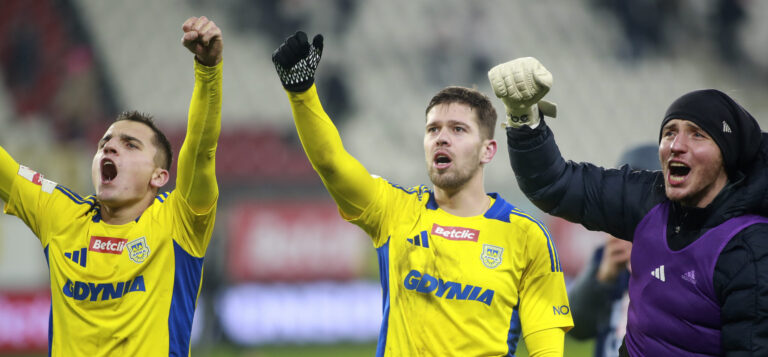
<point x="138" y="250"/>
<point x="491" y="256"/>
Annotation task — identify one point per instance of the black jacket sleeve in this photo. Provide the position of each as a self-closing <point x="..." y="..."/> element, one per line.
<point x="609" y="200"/>
<point x="741" y="283"/>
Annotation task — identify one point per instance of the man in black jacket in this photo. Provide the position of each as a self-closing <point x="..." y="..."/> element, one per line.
<point x="599" y="296"/>
<point x="699" y="283"/>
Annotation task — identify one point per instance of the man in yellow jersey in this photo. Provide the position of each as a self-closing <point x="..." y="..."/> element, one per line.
<point x="464" y="273"/>
<point x="126" y="263"/>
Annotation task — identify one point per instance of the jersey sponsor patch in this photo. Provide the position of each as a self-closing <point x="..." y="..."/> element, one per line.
<point x="35" y="177"/>
<point x="107" y="245"/>
<point x="561" y="310"/>
<point x="138" y="250"/>
<point x="450" y="290"/>
<point x="491" y="256"/>
<point x="81" y="290"/>
<point x="455" y="233"/>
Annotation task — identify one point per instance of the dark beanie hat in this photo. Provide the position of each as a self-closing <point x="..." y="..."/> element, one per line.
<point x="732" y="128"/>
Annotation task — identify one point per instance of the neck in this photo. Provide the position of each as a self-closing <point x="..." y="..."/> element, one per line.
<point x="122" y="214"/>
<point x="466" y="201"/>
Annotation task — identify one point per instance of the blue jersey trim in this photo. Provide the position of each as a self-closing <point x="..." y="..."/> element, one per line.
<point x="554" y="259"/>
<point x="186" y="286"/>
<point x="383" y="254"/>
<point x="91" y="200"/>
<point x="500" y="208"/>
<point x="513" y="337"/>
<point x="162" y="196"/>
<point x="50" y="313"/>
<point x="409" y="191"/>
<point x="431" y="203"/>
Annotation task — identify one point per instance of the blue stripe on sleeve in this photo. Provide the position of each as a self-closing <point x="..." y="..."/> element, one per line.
<point x="75" y="197"/>
<point x="383" y="254"/>
<point x="50" y="314"/>
<point x="515" y="328"/>
<point x="186" y="286"/>
<point x="553" y="258"/>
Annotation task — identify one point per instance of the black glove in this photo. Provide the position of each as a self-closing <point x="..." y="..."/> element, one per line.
<point x="296" y="61"/>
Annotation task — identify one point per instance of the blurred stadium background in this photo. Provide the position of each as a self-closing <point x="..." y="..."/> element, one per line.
<point x="285" y="276"/>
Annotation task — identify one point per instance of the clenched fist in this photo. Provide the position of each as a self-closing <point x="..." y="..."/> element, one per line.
<point x="521" y="84"/>
<point x="203" y="38"/>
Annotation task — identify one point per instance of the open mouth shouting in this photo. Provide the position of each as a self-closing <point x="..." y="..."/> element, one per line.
<point x="108" y="171"/>
<point x="677" y="173"/>
<point x="442" y="160"/>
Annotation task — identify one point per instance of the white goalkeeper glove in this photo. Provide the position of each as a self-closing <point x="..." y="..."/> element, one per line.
<point x="520" y="84"/>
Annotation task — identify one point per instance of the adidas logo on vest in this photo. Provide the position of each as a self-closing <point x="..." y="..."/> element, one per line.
<point x="658" y="273"/>
<point x="690" y="277"/>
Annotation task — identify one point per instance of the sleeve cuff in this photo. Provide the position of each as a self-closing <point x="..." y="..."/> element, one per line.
<point x="205" y="72"/>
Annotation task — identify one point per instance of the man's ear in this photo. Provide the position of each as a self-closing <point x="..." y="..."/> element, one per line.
<point x="159" y="178"/>
<point x="488" y="151"/>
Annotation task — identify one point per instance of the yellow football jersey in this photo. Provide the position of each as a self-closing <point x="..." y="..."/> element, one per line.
<point x="112" y="286"/>
<point x="461" y="286"/>
<point x="130" y="289"/>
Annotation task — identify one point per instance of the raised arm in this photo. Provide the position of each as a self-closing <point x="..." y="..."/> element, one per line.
<point x="8" y="170"/>
<point x="346" y="179"/>
<point x="601" y="199"/>
<point x="196" y="176"/>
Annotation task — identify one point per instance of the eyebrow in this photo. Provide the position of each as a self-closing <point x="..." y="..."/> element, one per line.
<point x="126" y="137"/>
<point x="451" y="122"/>
<point x="123" y="137"/>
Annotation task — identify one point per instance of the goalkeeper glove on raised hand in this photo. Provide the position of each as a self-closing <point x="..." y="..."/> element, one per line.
<point x="521" y="83"/>
<point x="296" y="61"/>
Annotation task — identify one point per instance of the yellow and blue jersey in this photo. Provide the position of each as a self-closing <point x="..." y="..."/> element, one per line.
<point x="467" y="286"/>
<point x="129" y="289"/>
<point x="114" y="286"/>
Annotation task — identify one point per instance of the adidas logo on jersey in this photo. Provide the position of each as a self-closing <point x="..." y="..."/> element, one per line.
<point x="77" y="256"/>
<point x="420" y="240"/>
<point x="658" y="273"/>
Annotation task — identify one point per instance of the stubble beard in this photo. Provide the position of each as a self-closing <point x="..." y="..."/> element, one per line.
<point x="451" y="179"/>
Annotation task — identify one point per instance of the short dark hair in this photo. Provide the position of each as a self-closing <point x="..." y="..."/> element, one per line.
<point x="479" y="102"/>
<point x="164" y="155"/>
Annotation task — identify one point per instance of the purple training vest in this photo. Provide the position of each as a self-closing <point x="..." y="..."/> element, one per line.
<point x="673" y="309"/>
